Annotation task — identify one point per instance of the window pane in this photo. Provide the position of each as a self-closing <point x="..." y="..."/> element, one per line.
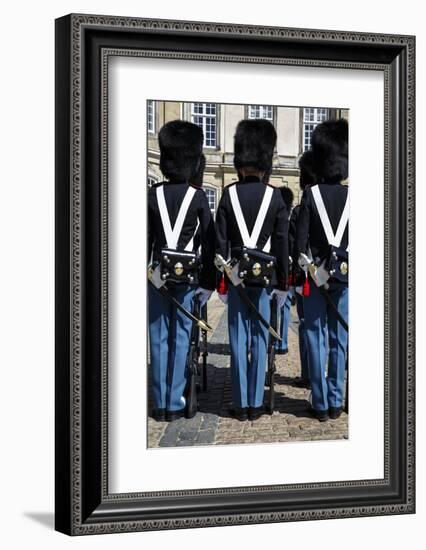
<point x="204" y="116"/>
<point x="312" y="116"/>
<point x="261" y="111"/>
<point x="151" y="116"/>
<point x="211" y="198"/>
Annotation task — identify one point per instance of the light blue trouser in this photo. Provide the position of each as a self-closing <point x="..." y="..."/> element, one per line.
<point x="303" y="348"/>
<point x="248" y="336"/>
<point x="319" y="316"/>
<point x="169" y="336"/>
<point x="285" y="315"/>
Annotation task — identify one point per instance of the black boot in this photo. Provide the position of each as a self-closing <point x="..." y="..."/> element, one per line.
<point x="159" y="415"/>
<point x="335" y="412"/>
<point x="322" y="416"/>
<point x="255" y="412"/>
<point x="240" y="413"/>
<point x="174" y="415"/>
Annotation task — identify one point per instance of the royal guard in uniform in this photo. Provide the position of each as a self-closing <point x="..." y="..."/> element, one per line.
<point x="322" y="245"/>
<point x="285" y="312"/>
<point x="252" y="248"/>
<point x="178" y="273"/>
<point x="297" y="275"/>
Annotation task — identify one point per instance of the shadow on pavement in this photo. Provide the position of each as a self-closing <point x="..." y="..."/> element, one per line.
<point x="218" y="349"/>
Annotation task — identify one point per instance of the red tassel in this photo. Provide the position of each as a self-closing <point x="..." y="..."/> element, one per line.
<point x="223" y="286"/>
<point x="306" y="288"/>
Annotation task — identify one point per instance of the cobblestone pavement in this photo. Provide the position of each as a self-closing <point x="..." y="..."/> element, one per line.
<point x="212" y="425"/>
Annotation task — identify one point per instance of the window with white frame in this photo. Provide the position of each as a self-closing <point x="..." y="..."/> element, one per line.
<point x="211" y="198"/>
<point x="261" y="111"/>
<point x="151" y="117"/>
<point x="312" y="116"/>
<point x="204" y="115"/>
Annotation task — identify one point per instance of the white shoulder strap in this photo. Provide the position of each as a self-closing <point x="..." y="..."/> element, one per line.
<point x="264" y="207"/>
<point x="267" y="247"/>
<point x="343" y="222"/>
<point x="245" y="236"/>
<point x="190" y="246"/>
<point x="250" y="241"/>
<point x="172" y="235"/>
<point x="333" y="239"/>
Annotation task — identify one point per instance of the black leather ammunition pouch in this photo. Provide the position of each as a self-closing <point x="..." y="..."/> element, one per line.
<point x="179" y="266"/>
<point x="337" y="264"/>
<point x="256" y="268"/>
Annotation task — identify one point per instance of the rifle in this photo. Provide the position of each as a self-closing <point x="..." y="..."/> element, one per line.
<point x="271" y="357"/>
<point x="192" y="366"/>
<point x="205" y="352"/>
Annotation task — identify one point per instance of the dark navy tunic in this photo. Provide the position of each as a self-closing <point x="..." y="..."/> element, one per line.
<point x="250" y="194"/>
<point x="199" y="210"/>
<point x="310" y="233"/>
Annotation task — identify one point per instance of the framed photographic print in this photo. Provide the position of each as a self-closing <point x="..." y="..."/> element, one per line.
<point x="209" y="329"/>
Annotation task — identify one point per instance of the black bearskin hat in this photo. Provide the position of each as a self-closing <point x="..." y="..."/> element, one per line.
<point x="288" y="197"/>
<point x="330" y="150"/>
<point x="198" y="177"/>
<point x="181" y="147"/>
<point x="267" y="175"/>
<point x="307" y="173"/>
<point x="254" y="144"/>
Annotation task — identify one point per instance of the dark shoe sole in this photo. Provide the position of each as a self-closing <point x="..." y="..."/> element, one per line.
<point x="171" y="416"/>
<point x="159" y="415"/>
<point x="253" y="417"/>
<point x="254" y="414"/>
<point x="241" y="416"/>
<point x="281" y="352"/>
<point x="321" y="416"/>
<point x="335" y="414"/>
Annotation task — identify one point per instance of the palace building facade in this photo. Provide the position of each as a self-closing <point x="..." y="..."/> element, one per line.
<point x="294" y="127"/>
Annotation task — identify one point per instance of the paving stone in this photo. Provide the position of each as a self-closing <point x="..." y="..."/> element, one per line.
<point x="291" y="420"/>
<point x="188" y="435"/>
<point x="205" y="437"/>
<point x="185" y="442"/>
<point x="168" y="440"/>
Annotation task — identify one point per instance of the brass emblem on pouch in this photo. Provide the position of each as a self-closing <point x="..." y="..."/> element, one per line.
<point x="344" y="268"/>
<point x="178" y="269"/>
<point x="256" y="269"/>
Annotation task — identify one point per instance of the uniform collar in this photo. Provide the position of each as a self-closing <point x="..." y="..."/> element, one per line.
<point x="330" y="183"/>
<point x="175" y="182"/>
<point x="249" y="179"/>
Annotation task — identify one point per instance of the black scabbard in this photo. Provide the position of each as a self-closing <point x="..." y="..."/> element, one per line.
<point x="244" y="297"/>
<point x="163" y="291"/>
